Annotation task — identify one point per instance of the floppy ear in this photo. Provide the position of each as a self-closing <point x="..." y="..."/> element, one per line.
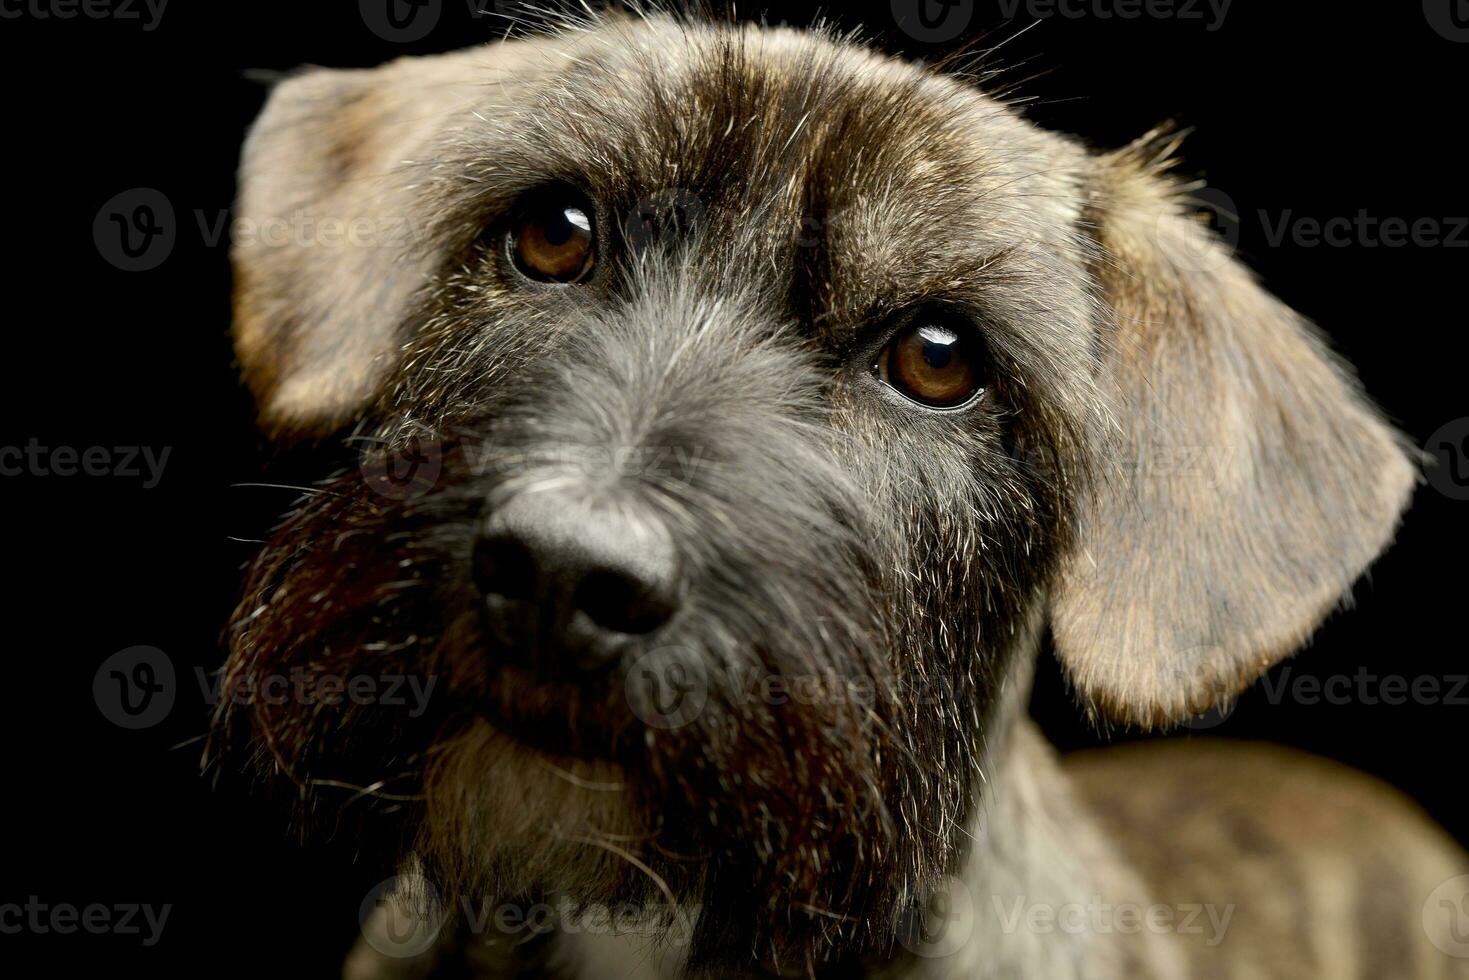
<point x="329" y="247"/>
<point x="1249" y="484"/>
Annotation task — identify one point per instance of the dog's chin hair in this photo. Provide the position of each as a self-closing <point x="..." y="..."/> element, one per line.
<point x="503" y="821"/>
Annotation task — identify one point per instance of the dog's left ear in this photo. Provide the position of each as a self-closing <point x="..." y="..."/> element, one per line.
<point x="1249" y="484"/>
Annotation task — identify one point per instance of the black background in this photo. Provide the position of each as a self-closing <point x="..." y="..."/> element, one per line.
<point x="1314" y="110"/>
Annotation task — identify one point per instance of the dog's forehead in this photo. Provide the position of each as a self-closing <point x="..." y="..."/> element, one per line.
<point x="760" y="116"/>
<point x="792" y="147"/>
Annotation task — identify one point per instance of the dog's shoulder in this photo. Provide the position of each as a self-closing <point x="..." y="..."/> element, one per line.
<point x="1290" y="864"/>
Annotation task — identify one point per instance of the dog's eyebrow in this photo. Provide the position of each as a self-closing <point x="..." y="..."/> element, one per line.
<point x="962" y="284"/>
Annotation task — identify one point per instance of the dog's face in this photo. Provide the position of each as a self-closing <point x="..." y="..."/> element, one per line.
<point x="776" y="396"/>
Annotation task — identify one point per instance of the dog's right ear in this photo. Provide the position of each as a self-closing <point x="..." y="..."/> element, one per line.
<point x="329" y="251"/>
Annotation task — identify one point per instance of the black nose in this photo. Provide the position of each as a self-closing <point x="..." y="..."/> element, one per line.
<point x="573" y="582"/>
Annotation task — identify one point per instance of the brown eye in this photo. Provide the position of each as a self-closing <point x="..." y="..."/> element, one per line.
<point x="935" y="364"/>
<point x="553" y="241"/>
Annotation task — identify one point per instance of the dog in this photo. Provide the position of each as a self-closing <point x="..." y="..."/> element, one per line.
<point x="740" y="414"/>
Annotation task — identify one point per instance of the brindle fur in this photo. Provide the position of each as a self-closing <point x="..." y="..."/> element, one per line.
<point x="798" y="192"/>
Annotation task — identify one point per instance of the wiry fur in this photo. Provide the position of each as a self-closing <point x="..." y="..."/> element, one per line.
<point x="795" y="194"/>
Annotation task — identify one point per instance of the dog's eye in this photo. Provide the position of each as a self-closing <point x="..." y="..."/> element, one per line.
<point x="934" y="363"/>
<point x="553" y="240"/>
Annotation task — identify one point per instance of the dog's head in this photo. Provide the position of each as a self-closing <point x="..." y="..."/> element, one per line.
<point x="737" y="407"/>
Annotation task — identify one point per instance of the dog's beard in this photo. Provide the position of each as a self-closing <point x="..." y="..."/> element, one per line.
<point x="783" y="806"/>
